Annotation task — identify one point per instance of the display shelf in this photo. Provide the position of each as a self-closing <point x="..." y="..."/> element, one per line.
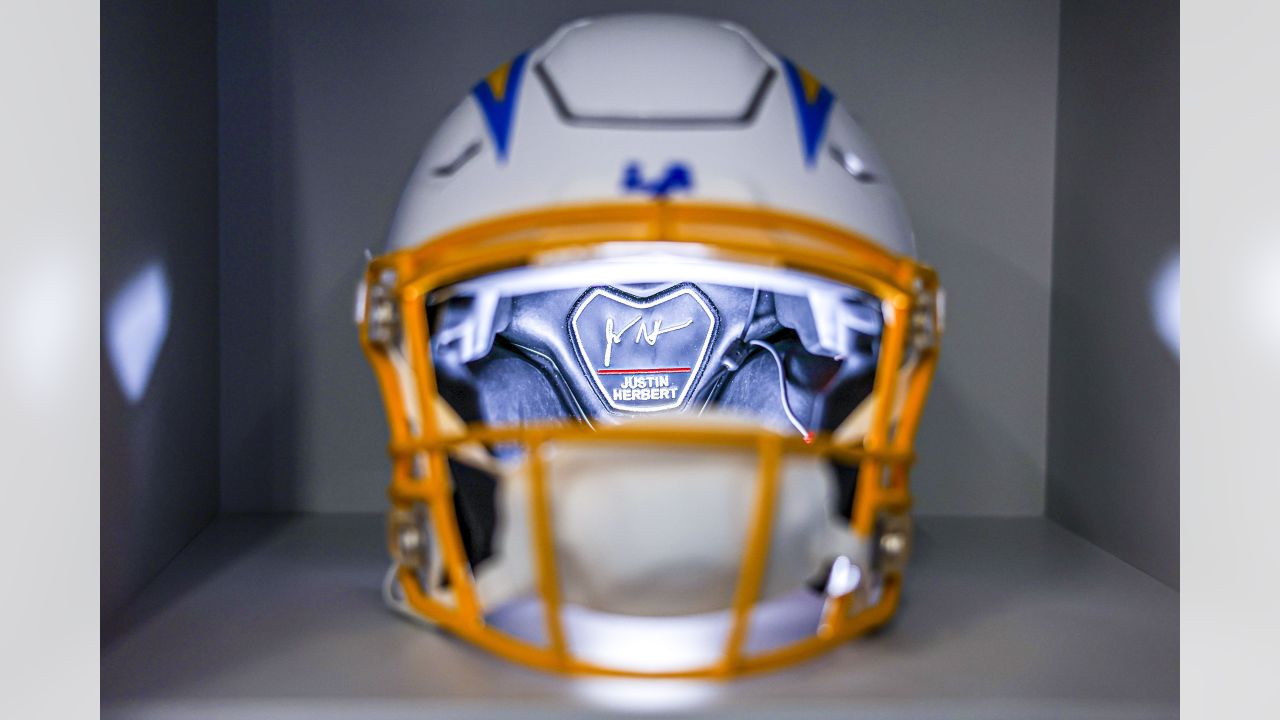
<point x="266" y="617"/>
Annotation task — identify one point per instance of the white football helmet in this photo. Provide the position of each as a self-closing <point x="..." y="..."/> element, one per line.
<point x="653" y="348"/>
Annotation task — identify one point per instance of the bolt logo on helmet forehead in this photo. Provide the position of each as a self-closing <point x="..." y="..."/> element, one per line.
<point x="643" y="353"/>
<point x="642" y="425"/>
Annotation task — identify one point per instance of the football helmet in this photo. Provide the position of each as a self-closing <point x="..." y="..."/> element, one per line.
<point x="653" y="347"/>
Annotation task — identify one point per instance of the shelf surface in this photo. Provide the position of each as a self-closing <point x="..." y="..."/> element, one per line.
<point x="265" y="617"/>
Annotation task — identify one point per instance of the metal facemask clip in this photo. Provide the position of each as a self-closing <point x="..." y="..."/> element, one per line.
<point x="892" y="543"/>
<point x="926" y="318"/>
<point x="383" y="318"/>
<point x="408" y="538"/>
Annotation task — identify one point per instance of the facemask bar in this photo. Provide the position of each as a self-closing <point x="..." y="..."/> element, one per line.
<point x="425" y="433"/>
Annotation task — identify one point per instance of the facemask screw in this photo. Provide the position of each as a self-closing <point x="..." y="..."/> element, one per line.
<point x="892" y="544"/>
<point x="410" y="540"/>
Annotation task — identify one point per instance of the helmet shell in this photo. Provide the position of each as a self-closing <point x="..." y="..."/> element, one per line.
<point x="638" y="107"/>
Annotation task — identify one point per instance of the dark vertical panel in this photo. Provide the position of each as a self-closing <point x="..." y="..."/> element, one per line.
<point x="1113" y="426"/>
<point x="159" y="216"/>
<point x="261" y="359"/>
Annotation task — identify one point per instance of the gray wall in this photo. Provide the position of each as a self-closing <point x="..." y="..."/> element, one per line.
<point x="1113" y="420"/>
<point x="159" y="208"/>
<point x="325" y="106"/>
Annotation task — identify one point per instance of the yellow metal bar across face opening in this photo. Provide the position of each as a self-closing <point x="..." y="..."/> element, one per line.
<point x="648" y="432"/>
<point x="734" y="233"/>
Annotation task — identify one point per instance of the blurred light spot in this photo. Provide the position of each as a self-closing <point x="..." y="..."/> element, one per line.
<point x="852" y="164"/>
<point x="646" y="644"/>
<point x="844" y="577"/>
<point x="1262" y="304"/>
<point x="137" y="325"/>
<point x="1166" y="303"/>
<point x="41" y="332"/>
<point x="648" y="696"/>
<point x="624" y="642"/>
<point x="666" y="643"/>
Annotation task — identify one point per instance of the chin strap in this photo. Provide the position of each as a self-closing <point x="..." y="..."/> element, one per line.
<point x="806" y="433"/>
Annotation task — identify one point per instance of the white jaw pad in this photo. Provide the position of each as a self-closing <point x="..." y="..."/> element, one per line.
<point x="653" y="530"/>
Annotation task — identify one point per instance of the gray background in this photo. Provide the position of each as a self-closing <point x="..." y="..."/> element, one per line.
<point x="258" y="167"/>
<point x="1113" y="421"/>
<point x="324" y="108"/>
